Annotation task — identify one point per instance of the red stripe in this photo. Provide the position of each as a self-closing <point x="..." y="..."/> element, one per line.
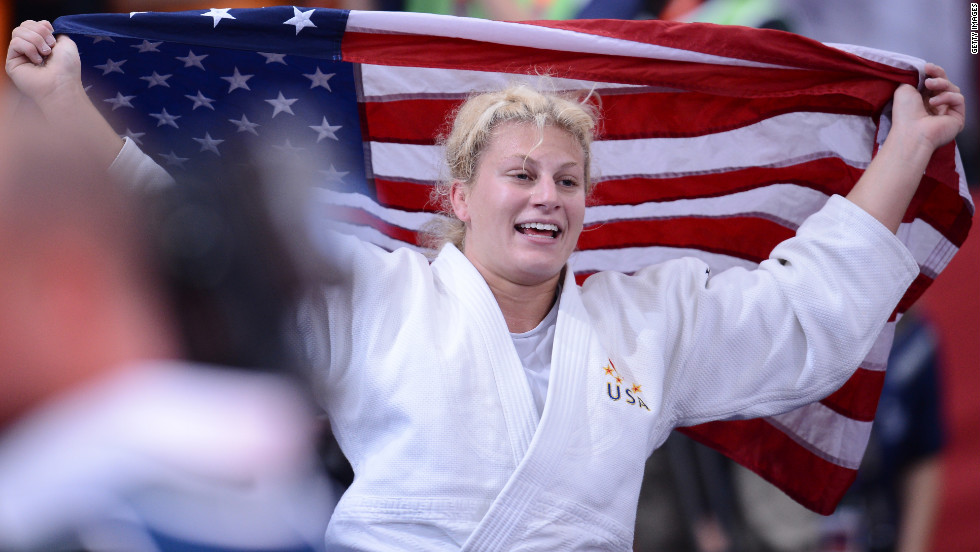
<point x="642" y="114"/>
<point x="743" y="237"/>
<point x="858" y="397"/>
<point x="918" y="287"/>
<point x="407" y="196"/>
<point x="759" y="446"/>
<point x="759" y="45"/>
<point x="827" y="175"/>
<point x="455" y="53"/>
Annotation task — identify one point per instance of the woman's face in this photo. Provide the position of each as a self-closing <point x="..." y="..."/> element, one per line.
<point x="524" y="210"/>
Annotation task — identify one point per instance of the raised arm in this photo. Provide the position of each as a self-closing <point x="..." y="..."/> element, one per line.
<point x="920" y="124"/>
<point x="48" y="71"/>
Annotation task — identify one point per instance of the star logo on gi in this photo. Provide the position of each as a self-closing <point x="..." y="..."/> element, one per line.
<point x="218" y="14"/>
<point x="119" y="101"/>
<point x="156" y="79"/>
<point x="190" y="60"/>
<point x="165" y="118"/>
<point x="282" y="104"/>
<point x="325" y="130"/>
<point x="244" y="125"/>
<point x="619" y="380"/>
<point x="637" y="388"/>
<point x="237" y="80"/>
<point x="147" y="46"/>
<point x="300" y="19"/>
<point x="608" y="370"/>
<point x="111" y="66"/>
<point x="320" y="79"/>
<point x="200" y="100"/>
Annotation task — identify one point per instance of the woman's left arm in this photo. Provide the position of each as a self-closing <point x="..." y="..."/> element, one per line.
<point x="920" y="124"/>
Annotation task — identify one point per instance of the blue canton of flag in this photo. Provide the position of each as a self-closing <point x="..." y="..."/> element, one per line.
<point x="185" y="104"/>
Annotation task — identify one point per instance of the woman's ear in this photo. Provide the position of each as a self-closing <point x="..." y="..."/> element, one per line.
<point x="459" y="199"/>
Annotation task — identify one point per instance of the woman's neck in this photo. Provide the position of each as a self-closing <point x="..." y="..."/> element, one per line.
<point x="524" y="307"/>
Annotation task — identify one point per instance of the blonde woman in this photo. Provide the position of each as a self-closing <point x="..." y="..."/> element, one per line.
<point x="486" y="401"/>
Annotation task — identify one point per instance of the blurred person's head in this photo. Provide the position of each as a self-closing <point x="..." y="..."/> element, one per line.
<point x="78" y="296"/>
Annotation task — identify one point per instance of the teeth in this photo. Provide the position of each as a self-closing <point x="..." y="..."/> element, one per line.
<point x="540" y="226"/>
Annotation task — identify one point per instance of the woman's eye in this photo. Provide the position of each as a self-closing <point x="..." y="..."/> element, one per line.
<point x="522" y="176"/>
<point x="568" y="182"/>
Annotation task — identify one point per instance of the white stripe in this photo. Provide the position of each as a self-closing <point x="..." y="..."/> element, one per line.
<point x="788" y="204"/>
<point x="900" y="61"/>
<point x="406" y="219"/>
<point x="531" y="36"/>
<point x="929" y="247"/>
<point x="380" y="83"/>
<point x="792" y="137"/>
<point x="826" y="433"/>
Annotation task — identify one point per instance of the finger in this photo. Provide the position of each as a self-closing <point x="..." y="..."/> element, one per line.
<point x="952" y="100"/>
<point x="937" y="84"/>
<point x="30" y="36"/>
<point x="22" y="47"/>
<point x="934" y="70"/>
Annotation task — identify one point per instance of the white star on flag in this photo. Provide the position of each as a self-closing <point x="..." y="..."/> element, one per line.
<point x="119" y="101"/>
<point x="333" y="176"/>
<point x="273" y="58"/>
<point x="134" y="136"/>
<point x="244" y="125"/>
<point x="156" y="79"/>
<point x="111" y="66"/>
<point x="208" y="143"/>
<point x="131" y="14"/>
<point x="190" y="60"/>
<point x="237" y="80"/>
<point x="281" y="104"/>
<point x="173" y="160"/>
<point x="165" y="118"/>
<point x="98" y="39"/>
<point x="218" y="14"/>
<point x="147" y="46"/>
<point x="289" y="149"/>
<point x="200" y="100"/>
<point x="300" y="19"/>
<point x="319" y="78"/>
<point x="324" y="130"/>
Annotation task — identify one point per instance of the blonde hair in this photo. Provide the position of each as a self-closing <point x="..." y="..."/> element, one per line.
<point x="473" y="126"/>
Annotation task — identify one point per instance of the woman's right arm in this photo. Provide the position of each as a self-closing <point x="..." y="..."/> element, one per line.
<point x="48" y="71"/>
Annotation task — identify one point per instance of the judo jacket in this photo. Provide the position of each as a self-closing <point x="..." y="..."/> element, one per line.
<point x="427" y="396"/>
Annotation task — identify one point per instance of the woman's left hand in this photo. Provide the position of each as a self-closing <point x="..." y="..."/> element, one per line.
<point x="934" y="117"/>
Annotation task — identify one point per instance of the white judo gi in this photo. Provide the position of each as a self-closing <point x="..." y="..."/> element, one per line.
<point x="429" y="401"/>
<point x="427" y="396"/>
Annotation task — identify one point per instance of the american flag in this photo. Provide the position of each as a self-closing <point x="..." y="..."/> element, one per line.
<point x="715" y="142"/>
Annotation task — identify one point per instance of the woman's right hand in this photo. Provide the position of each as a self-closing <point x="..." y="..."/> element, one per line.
<point x="43" y="67"/>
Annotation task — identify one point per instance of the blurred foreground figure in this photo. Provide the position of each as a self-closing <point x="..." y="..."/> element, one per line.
<point x="108" y="440"/>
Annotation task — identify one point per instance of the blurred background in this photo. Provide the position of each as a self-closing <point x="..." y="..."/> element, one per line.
<point x="938" y="477"/>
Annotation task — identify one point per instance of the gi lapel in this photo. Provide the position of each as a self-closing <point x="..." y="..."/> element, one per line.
<point x="480" y="307"/>
<point x="565" y="403"/>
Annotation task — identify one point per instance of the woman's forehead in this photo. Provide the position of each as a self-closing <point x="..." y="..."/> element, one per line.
<point x="528" y="140"/>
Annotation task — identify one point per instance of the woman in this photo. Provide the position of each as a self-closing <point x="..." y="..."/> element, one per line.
<point x="486" y="401"/>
